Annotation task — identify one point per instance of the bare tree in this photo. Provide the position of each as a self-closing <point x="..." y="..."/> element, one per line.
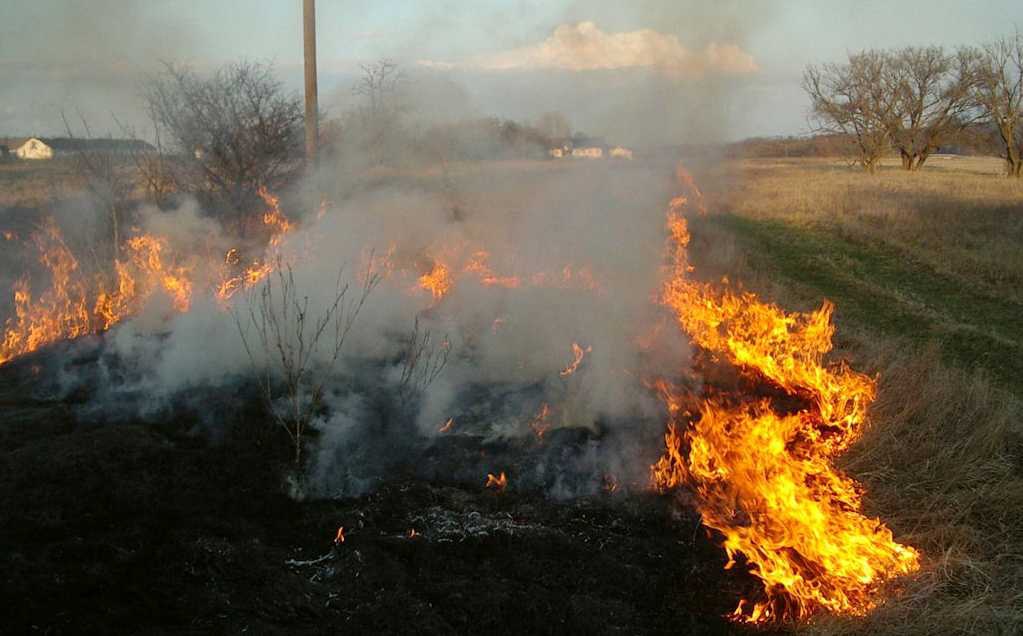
<point x="102" y="168"/>
<point x="852" y="100"/>
<point x="931" y="92"/>
<point x="380" y="85"/>
<point x="153" y="166"/>
<point x="294" y="351"/>
<point x="999" y="95"/>
<point x="232" y="132"/>
<point x="376" y="125"/>
<point x="422" y="362"/>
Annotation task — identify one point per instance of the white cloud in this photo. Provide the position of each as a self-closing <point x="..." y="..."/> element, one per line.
<point x="585" y="47"/>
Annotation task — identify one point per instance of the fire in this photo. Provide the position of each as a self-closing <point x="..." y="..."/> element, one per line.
<point x="577" y="354"/>
<point x="339" y="538"/>
<point x="233" y="280"/>
<point x="278" y="224"/>
<point x="150" y="257"/>
<point x="539" y="422"/>
<point x="59" y="313"/>
<point x="498" y="483"/>
<point x="479" y="265"/>
<point x="447" y="426"/>
<point x="9" y="236"/>
<point x="76" y="304"/>
<point x="610" y="484"/>
<point x="412" y="534"/>
<point x="437" y="281"/>
<point x="765" y="479"/>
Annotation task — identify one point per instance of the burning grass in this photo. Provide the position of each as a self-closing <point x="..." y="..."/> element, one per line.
<point x="921" y="269"/>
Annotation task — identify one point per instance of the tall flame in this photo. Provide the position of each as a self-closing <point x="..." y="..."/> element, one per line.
<point x="763" y="479"/>
<point x="60" y="312"/>
<point x="76" y="304"/>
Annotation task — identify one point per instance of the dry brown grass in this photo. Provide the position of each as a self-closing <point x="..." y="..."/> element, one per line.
<point x="942" y="462"/>
<point x="958" y="215"/>
<point x="34" y="184"/>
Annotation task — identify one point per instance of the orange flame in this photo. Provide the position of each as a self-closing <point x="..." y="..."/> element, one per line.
<point x="339" y="538"/>
<point x="232" y="280"/>
<point x="447" y="426"/>
<point x="539" y="423"/>
<point x="279" y="224"/>
<point x="765" y="480"/>
<point x="498" y="483"/>
<point x="437" y="281"/>
<point x="577" y="354"/>
<point x="76" y="304"/>
<point x="59" y="313"/>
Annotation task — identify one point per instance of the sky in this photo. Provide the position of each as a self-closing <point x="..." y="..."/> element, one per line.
<point x="638" y="72"/>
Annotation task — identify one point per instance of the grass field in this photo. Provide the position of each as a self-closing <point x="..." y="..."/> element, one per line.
<point x="926" y="271"/>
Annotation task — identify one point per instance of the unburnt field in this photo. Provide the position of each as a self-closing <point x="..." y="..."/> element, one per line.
<point x="136" y="527"/>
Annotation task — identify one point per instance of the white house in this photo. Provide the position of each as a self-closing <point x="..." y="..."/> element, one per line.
<point x="588" y="152"/>
<point x="50" y="147"/>
<point x="32" y="148"/>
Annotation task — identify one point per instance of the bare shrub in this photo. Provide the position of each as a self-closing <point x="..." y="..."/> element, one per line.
<point x="230" y="133"/>
<point x="294" y="351"/>
<point x="105" y="177"/>
<point x="423" y="360"/>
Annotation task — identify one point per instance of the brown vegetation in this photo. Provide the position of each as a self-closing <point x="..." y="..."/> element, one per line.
<point x="911" y="262"/>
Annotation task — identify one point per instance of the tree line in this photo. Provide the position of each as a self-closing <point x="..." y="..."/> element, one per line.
<point x="915" y="100"/>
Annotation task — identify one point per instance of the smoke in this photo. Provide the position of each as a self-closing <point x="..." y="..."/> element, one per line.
<point x="582" y="241"/>
<point x="584" y="247"/>
<point x="84" y="58"/>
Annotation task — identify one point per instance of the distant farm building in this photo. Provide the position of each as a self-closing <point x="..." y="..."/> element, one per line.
<point x="588" y="152"/>
<point x="581" y="147"/>
<point x="618" y="152"/>
<point x="50" y="147"/>
<point x="30" y="148"/>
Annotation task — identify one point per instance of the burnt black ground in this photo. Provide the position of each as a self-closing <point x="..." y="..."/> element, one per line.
<point x="143" y="528"/>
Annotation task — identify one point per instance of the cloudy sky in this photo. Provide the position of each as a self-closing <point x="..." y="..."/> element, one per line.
<point x="644" y="71"/>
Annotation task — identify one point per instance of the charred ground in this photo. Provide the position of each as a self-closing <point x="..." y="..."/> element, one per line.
<point x="158" y="528"/>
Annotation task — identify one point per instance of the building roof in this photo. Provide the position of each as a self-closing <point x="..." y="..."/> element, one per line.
<point x="72" y="144"/>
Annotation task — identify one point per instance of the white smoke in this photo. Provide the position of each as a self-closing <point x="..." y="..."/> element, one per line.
<point x="605" y="218"/>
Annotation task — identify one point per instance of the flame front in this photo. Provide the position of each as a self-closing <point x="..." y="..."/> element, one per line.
<point x="497" y="482"/>
<point x="764" y="479"/>
<point x="76" y="304"/>
<point x="577" y="358"/>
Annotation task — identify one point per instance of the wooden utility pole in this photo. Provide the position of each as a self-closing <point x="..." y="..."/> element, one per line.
<point x="311" y="107"/>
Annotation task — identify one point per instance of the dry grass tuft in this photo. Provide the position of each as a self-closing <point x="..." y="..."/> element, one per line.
<point x="943" y="466"/>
